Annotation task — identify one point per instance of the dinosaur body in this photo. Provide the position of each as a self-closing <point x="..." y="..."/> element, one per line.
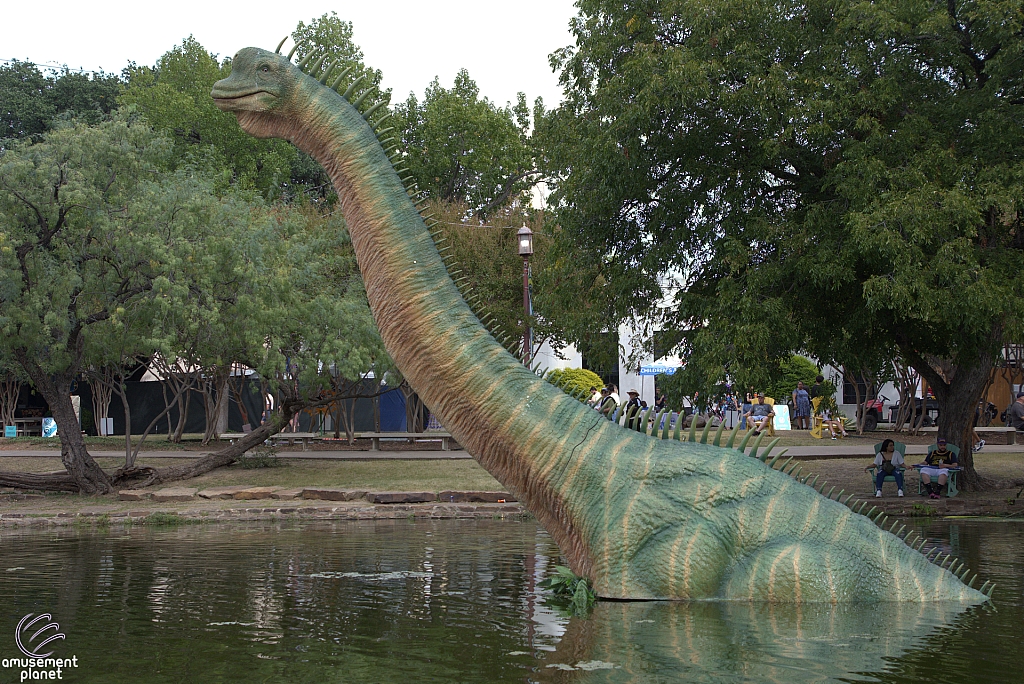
<point x="641" y="518"/>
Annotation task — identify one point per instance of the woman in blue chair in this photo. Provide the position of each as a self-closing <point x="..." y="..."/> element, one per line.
<point x="937" y="465"/>
<point x="888" y="461"/>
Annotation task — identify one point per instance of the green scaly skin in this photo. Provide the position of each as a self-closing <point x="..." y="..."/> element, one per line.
<point x="639" y="517"/>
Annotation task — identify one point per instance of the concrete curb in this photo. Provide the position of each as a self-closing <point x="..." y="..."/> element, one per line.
<point x="435" y="511"/>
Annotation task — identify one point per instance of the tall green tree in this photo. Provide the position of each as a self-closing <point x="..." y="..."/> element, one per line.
<point x="91" y="223"/>
<point x="818" y="174"/>
<point x="32" y="98"/>
<point x="174" y="95"/>
<point x="463" y="148"/>
<point x="328" y="40"/>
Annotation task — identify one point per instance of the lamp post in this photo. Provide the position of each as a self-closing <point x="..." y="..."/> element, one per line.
<point x="525" y="236"/>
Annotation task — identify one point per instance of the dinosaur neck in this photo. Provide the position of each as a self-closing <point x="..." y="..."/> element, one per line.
<point x="529" y="435"/>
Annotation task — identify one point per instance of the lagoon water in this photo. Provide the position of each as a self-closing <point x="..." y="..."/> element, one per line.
<point x="457" y="601"/>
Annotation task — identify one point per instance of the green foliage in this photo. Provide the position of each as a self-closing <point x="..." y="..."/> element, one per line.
<point x="261" y="457"/>
<point x="330" y="37"/>
<point x="32" y="99"/>
<point x="575" y="381"/>
<point x="791" y="371"/>
<point x="108" y="255"/>
<point x="488" y="256"/>
<point x="174" y="95"/>
<point x="836" y="177"/>
<point x="464" y="149"/>
<point x="571" y="592"/>
<point x="92" y="226"/>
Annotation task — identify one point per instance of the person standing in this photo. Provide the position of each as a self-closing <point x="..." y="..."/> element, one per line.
<point x="802" y="406"/>
<point x="817" y="389"/>
<point x="607" y="405"/>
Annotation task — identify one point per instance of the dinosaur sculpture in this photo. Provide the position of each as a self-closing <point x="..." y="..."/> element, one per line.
<point x="639" y="517"/>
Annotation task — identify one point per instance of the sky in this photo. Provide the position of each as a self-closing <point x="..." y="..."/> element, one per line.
<point x="505" y="46"/>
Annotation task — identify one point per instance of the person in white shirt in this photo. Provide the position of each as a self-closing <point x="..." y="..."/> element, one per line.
<point x="888" y="461"/>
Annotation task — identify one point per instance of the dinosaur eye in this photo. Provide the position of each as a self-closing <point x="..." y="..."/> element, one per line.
<point x="265" y="69"/>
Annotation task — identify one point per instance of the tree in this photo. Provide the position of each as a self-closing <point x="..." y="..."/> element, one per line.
<point x="10" y="387"/>
<point x="462" y="148"/>
<point x="31" y="99"/>
<point x="813" y="172"/>
<point x="175" y="97"/>
<point x="301" y="322"/>
<point x="328" y="40"/>
<point x="87" y="229"/>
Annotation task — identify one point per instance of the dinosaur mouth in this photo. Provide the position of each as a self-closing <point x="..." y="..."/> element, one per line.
<point x="258" y="100"/>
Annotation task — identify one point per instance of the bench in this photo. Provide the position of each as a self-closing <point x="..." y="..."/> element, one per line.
<point x="1008" y="433"/>
<point x="289" y="437"/>
<point x="375" y="437"/>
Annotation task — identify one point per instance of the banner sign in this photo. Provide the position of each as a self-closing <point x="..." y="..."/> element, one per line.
<point x="655" y="369"/>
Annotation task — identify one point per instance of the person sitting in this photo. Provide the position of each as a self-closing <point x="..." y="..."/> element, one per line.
<point x="595" y="397"/>
<point x="834" y="425"/>
<point x="634" y="404"/>
<point x="760" y="415"/>
<point x="888" y="461"/>
<point x="936" y="466"/>
<point x="607" y="404"/>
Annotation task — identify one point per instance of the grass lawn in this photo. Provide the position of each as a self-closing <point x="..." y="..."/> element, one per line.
<point x="384" y="475"/>
<point x="1004" y="469"/>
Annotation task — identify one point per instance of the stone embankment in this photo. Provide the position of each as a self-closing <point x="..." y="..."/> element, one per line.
<point x="215" y="504"/>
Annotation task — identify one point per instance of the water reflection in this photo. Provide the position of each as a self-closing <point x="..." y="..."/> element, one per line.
<point x="742" y="642"/>
<point x="456" y="601"/>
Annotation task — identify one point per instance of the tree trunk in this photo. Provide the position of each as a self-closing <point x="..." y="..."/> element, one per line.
<point x="10" y="387"/>
<point x="84" y="472"/>
<point x="102" y="384"/>
<point x="122" y="391"/>
<point x="236" y="393"/>
<point x="958" y="388"/>
<point x="137" y="478"/>
<point x="218" y="459"/>
<point x="215" y="396"/>
<point x="184" y="404"/>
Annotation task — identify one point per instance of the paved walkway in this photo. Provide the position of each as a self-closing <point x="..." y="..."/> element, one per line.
<point x="330" y="455"/>
<point x="827" y="450"/>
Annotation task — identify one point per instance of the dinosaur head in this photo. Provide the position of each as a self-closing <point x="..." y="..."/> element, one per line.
<point x="261" y="84"/>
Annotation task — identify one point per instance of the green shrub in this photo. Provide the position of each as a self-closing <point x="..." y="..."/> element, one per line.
<point x="575" y="382"/>
<point x="792" y="371"/>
